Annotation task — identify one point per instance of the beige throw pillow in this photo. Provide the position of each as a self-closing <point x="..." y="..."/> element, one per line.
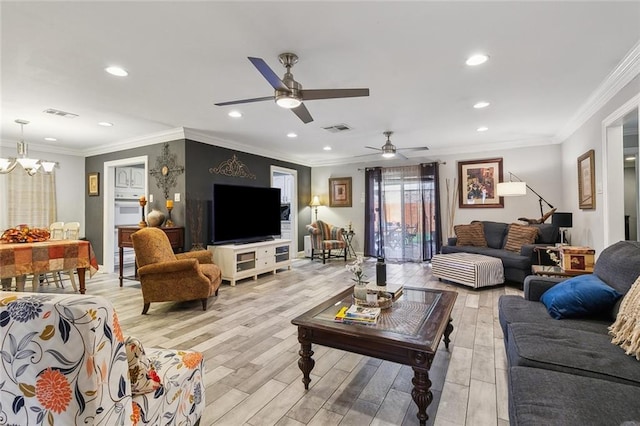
<point x="470" y="235"/>
<point x="626" y="329"/>
<point x="520" y="235"/>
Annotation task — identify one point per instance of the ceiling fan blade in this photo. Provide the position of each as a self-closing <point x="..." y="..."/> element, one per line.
<point x="268" y="73"/>
<point x="371" y="147"/>
<point x="313" y="94"/>
<point x="246" y="101"/>
<point x="401" y="155"/>
<point x="419" y="148"/>
<point x="303" y="114"/>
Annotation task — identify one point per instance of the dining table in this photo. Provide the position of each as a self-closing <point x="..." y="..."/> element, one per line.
<point x="21" y="259"/>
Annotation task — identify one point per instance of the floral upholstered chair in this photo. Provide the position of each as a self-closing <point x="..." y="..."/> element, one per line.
<point x="65" y="361"/>
<point x="324" y="238"/>
<point x="165" y="276"/>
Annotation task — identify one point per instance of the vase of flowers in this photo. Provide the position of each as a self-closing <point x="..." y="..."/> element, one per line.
<point x="360" y="289"/>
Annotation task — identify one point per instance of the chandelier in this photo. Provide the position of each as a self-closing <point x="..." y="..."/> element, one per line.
<point x="30" y="165"/>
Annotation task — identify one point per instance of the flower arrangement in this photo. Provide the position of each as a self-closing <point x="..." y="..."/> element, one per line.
<point x="356" y="269"/>
<point x="554" y="258"/>
<point x="24" y="234"/>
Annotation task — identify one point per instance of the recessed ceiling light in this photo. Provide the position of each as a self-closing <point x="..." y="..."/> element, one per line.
<point x="292" y="135"/>
<point x="631" y="158"/>
<point x="477" y="59"/>
<point x="50" y="139"/>
<point x="117" y="71"/>
<point x="235" y="114"/>
<point x="105" y="124"/>
<point x="327" y="148"/>
<point x="482" y="129"/>
<point x="481" y="104"/>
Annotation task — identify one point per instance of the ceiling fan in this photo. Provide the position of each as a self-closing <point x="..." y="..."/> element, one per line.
<point x="289" y="93"/>
<point x="389" y="150"/>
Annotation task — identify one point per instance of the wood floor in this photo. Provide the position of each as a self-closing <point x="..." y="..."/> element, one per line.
<point x="251" y="352"/>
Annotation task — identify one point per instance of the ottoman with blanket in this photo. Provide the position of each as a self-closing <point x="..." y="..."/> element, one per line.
<point x="584" y="368"/>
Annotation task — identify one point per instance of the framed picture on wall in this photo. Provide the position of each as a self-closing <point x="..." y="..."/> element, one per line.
<point x="93" y="184"/>
<point x="587" y="180"/>
<point x="478" y="183"/>
<point x="340" y="192"/>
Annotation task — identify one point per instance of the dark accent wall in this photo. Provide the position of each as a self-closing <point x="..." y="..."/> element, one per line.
<point x="195" y="184"/>
<point x="201" y="157"/>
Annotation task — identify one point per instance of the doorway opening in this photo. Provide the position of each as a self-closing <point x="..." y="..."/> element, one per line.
<point x="109" y="235"/>
<point x="287" y="181"/>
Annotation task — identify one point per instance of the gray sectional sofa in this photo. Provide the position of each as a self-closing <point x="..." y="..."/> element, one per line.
<point x="516" y="265"/>
<point x="567" y="372"/>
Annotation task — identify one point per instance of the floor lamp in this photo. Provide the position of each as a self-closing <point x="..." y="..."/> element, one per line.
<point x="562" y="221"/>
<point x="315" y="203"/>
<point x="511" y="189"/>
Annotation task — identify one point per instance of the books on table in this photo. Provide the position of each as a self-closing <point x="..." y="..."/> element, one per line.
<point x="395" y="290"/>
<point x="355" y="314"/>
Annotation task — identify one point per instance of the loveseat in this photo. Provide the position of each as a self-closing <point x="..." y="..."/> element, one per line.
<point x="494" y="239"/>
<point x="65" y="361"/>
<point x="568" y="371"/>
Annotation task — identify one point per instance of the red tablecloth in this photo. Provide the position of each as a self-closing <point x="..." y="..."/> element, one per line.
<point x="54" y="255"/>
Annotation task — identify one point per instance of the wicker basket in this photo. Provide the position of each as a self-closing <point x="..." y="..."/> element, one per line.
<point x="384" y="301"/>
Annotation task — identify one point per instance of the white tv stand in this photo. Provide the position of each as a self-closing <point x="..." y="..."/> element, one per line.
<point x="238" y="261"/>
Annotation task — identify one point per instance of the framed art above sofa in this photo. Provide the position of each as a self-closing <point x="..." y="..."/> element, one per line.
<point x="478" y="183"/>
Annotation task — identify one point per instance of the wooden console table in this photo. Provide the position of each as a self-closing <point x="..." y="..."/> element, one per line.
<point x="175" y="234"/>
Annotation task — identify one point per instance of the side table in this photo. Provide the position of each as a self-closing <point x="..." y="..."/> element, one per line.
<point x="554" y="271"/>
<point x="348" y="238"/>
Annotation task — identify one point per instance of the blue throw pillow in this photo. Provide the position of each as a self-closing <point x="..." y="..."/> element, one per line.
<point x="581" y="296"/>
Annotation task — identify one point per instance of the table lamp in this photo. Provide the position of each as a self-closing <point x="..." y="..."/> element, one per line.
<point x="315" y="202"/>
<point x="562" y="221"/>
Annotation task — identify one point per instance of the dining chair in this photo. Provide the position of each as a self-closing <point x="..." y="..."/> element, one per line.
<point x="71" y="231"/>
<point x="56" y="232"/>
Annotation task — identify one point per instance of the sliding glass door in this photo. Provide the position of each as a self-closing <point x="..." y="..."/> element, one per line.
<point x="402" y="216"/>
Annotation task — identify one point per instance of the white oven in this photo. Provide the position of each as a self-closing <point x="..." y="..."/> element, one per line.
<point x="127" y="212"/>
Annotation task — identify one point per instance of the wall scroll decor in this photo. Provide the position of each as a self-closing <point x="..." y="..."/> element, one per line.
<point x="93" y="184"/>
<point x="478" y="183"/>
<point x="340" y="192"/>
<point x="166" y="170"/>
<point x="234" y="168"/>
<point x="587" y="180"/>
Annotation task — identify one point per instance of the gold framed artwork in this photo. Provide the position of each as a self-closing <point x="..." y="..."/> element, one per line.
<point x="587" y="180"/>
<point x="93" y="184"/>
<point x="479" y="182"/>
<point x="340" y="192"/>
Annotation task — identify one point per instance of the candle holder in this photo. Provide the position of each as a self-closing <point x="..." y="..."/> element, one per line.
<point x="169" y="222"/>
<point x="143" y="223"/>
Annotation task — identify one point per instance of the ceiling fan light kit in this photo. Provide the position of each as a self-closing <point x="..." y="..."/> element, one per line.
<point x="288" y="93"/>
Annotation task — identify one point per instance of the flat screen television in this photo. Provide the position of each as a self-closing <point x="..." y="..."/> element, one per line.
<point x="244" y="214"/>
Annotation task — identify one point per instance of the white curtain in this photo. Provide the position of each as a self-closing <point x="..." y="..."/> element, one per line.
<point x="31" y="199"/>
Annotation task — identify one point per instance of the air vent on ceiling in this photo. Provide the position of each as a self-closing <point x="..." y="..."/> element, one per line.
<point x="60" y="113"/>
<point x="337" y="128"/>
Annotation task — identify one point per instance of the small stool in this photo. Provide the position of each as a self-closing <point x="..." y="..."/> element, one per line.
<point x="474" y="270"/>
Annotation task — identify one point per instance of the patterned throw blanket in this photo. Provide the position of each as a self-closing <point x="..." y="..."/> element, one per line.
<point x="626" y="329"/>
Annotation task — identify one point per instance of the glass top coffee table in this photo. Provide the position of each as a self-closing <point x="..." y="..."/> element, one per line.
<point x="407" y="333"/>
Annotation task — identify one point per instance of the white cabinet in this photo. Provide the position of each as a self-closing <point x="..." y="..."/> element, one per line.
<point x="130" y="177"/>
<point x="249" y="260"/>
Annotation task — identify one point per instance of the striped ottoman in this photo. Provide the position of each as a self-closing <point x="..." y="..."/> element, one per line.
<point x="474" y="270"/>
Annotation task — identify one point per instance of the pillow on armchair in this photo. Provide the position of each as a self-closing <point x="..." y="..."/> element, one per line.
<point x="470" y="235"/>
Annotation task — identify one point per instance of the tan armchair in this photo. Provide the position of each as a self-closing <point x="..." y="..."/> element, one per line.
<point x="165" y="276"/>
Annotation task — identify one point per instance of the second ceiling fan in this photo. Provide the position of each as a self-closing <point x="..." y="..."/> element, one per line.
<point x="289" y="93"/>
<point x="389" y="150"/>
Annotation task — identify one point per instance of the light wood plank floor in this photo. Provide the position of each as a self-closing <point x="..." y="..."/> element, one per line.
<point x="251" y="352"/>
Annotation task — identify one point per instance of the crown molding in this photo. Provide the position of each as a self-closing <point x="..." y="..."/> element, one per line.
<point x="622" y="74"/>
<point x="196" y="136"/>
<point x="150" y="139"/>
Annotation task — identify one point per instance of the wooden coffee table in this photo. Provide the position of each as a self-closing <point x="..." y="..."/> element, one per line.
<point x="407" y="333"/>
